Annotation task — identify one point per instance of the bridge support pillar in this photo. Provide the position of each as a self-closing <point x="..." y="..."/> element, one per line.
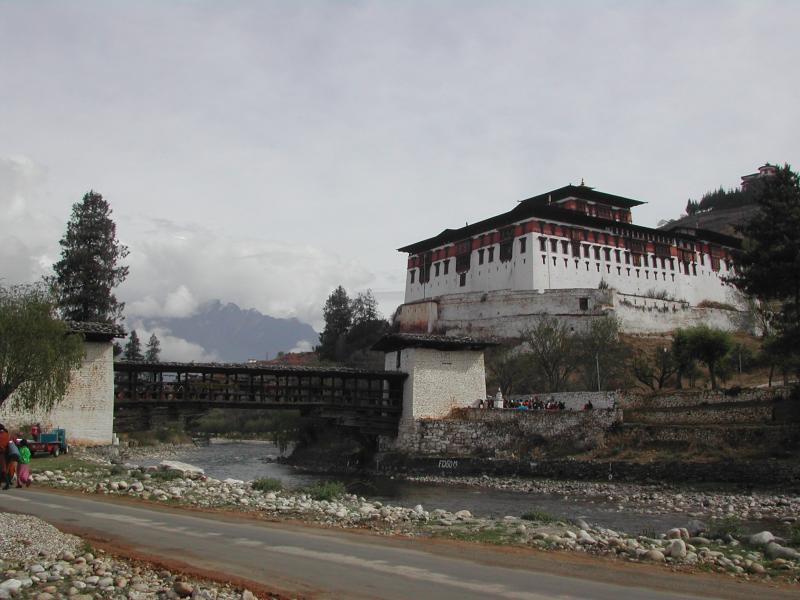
<point x="443" y="373"/>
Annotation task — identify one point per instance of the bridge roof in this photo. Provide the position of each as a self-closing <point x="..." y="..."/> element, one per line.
<point x="94" y="331"/>
<point x="197" y="367"/>
<point x="397" y="341"/>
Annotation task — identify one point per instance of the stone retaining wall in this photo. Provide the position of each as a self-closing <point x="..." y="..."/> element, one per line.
<point x="477" y="432"/>
<point x="761" y="418"/>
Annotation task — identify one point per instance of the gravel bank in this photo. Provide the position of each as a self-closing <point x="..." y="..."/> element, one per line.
<point x="713" y="546"/>
<point x="39" y="561"/>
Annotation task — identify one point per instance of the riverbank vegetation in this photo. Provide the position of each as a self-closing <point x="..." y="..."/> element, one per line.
<point x="282" y="427"/>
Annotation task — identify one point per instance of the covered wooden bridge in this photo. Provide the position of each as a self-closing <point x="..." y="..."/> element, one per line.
<point x="369" y="400"/>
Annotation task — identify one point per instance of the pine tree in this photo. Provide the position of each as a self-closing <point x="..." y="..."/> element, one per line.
<point x="338" y="315"/>
<point x="365" y="308"/>
<point x="769" y="264"/>
<point x="89" y="268"/>
<point x="133" y="349"/>
<point x="153" y="349"/>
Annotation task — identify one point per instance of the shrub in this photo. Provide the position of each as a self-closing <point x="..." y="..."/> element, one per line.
<point x="267" y="484"/>
<point x="328" y="490"/>
<point x="538" y="515"/>
<point x="794" y="535"/>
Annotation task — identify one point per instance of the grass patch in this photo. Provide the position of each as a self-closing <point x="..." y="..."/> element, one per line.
<point x="267" y="484"/>
<point x="539" y="516"/>
<point x="166" y="475"/>
<point x="65" y="462"/>
<point x="328" y="490"/>
<point x="490" y="535"/>
<point x="726" y="526"/>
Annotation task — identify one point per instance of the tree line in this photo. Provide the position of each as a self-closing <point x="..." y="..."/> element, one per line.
<point x="37" y="354"/>
<point x="552" y="357"/>
<point x="352" y="326"/>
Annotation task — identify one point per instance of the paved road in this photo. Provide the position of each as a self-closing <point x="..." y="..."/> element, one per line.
<point x="335" y="564"/>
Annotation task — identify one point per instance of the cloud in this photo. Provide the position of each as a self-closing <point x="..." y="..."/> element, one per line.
<point x="28" y="235"/>
<point x="178" y="303"/>
<point x="175" y="269"/>
<point x="302" y="346"/>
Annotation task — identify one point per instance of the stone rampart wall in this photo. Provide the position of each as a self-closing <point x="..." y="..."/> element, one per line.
<point x="715" y="414"/>
<point x="701" y="397"/>
<point x="507" y="313"/>
<point x="719" y="436"/>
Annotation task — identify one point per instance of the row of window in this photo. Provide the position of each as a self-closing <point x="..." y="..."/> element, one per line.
<point x="646" y="260"/>
<point x="462" y="262"/>
<point x="619" y="269"/>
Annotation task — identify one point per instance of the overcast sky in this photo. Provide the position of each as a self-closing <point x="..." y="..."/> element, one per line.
<point x="264" y="152"/>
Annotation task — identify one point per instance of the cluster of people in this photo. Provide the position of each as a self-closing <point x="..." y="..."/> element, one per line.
<point x="530" y="403"/>
<point x="15" y="458"/>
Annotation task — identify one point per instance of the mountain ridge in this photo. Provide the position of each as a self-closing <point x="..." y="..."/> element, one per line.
<point x="235" y="334"/>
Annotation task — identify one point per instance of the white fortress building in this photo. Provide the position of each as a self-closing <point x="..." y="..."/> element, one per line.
<point x="573" y="252"/>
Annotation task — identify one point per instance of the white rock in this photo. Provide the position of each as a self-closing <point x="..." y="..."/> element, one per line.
<point x="463" y="515"/>
<point x="585" y="538"/>
<point x="184" y="468"/>
<point x="11" y="585"/>
<point x="677" y="549"/>
<point x="654" y="555"/>
<point x="761" y="539"/>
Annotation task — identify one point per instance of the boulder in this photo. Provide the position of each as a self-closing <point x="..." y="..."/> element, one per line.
<point x="184" y="468"/>
<point x="774" y="550"/>
<point x="696" y="527"/>
<point x="677" y="549"/>
<point x="183" y="589"/>
<point x="674" y="534"/>
<point x="761" y="539"/>
<point x="585" y="538"/>
<point x="654" y="555"/>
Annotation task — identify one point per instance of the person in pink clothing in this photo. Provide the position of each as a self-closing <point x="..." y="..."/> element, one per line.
<point x="23" y="468"/>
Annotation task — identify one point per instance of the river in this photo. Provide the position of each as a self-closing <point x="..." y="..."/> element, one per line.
<point x="254" y="460"/>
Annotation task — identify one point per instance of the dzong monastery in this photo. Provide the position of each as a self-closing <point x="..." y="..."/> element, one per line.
<point x="573" y="252"/>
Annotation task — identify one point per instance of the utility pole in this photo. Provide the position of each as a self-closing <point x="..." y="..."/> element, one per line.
<point x="597" y="362"/>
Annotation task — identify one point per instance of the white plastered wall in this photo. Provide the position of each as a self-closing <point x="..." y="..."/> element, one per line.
<point x="87" y="410"/>
<point x="438" y="380"/>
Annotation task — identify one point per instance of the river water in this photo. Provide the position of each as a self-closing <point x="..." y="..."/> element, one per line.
<point x="254" y="460"/>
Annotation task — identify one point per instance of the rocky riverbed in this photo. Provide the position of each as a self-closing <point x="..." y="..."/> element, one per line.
<point x="650" y="499"/>
<point x="717" y="545"/>
<point x="39" y="561"/>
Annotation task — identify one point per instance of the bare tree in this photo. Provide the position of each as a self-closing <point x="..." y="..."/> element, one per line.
<point x="553" y="351"/>
<point x="654" y="369"/>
